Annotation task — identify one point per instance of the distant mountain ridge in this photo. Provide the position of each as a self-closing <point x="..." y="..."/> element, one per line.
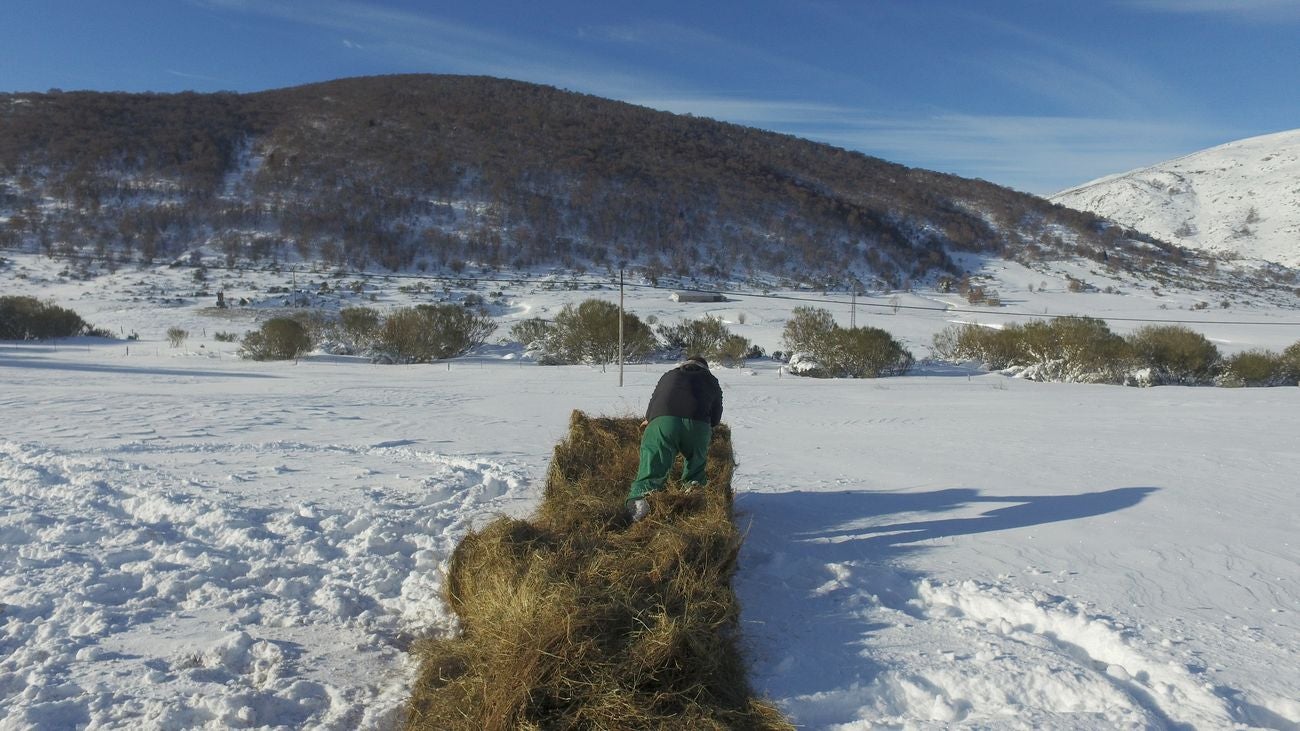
<point x="440" y="171"/>
<point x="1240" y="198"/>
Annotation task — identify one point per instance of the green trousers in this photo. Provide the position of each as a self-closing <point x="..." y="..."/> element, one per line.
<point x="663" y="440"/>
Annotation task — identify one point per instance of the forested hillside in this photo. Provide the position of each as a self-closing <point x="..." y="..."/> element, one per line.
<point x="440" y="171"/>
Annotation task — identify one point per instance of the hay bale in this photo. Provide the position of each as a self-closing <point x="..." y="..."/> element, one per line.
<point x="580" y="620"/>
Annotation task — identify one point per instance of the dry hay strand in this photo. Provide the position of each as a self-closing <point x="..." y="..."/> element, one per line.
<point x="579" y="620"/>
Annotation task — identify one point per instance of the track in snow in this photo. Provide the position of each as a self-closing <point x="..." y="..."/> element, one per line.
<point x="136" y="595"/>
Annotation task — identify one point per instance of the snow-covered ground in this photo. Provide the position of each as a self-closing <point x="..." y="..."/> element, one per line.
<point x="188" y="540"/>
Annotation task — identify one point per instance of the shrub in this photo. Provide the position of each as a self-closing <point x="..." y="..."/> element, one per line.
<point x="1257" y="368"/>
<point x="425" y="333"/>
<point x="1291" y="361"/>
<point x="1084" y="349"/>
<point x="354" y="330"/>
<point x="694" y="337"/>
<point x="27" y="318"/>
<point x="588" y="333"/>
<point x="806" y="327"/>
<point x="822" y="349"/>
<point x="176" y="336"/>
<point x="359" y="327"/>
<point x="865" y="352"/>
<point x="531" y="333"/>
<point x="1176" y="354"/>
<point x="1065" y="349"/>
<point x="944" y="344"/>
<point x="996" y="348"/>
<point x="280" y="338"/>
<point x="225" y="337"/>
<point x="707" y="337"/>
<point x="318" y="326"/>
<point x="733" y="351"/>
<point x="854" y="352"/>
<point x="1075" y="349"/>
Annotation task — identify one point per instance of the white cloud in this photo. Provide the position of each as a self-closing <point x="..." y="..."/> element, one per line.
<point x="1073" y="76"/>
<point x="1041" y="154"/>
<point x="424" y="43"/>
<point x="1258" y="10"/>
<point x="1037" y="154"/>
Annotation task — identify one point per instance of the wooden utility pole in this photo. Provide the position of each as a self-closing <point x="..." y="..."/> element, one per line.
<point x="620" y="327"/>
<point x="853" y="313"/>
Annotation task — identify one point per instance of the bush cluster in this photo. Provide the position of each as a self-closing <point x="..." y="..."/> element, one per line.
<point x="587" y="333"/>
<point x="1084" y="350"/>
<point x="1080" y="349"/>
<point x="419" y="334"/>
<point x="1175" y="353"/>
<point x="707" y="337"/>
<point x="280" y="338"/>
<point x="1262" y="368"/>
<point x="353" y="332"/>
<point x="822" y="349"/>
<point x="425" y="333"/>
<point x="359" y="328"/>
<point x="27" y="318"/>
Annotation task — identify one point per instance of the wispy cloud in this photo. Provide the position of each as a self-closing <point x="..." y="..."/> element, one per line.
<point x="1036" y="154"/>
<point x="1040" y="154"/>
<point x="424" y="42"/>
<point x="693" y="45"/>
<point x="1254" y="10"/>
<point x="1074" y="77"/>
<point x="756" y="112"/>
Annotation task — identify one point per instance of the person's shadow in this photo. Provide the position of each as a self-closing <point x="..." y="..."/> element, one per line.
<point x="819" y="571"/>
<point x="1024" y="511"/>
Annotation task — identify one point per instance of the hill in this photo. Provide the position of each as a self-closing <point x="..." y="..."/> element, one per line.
<point x="1239" y="199"/>
<point x="443" y="171"/>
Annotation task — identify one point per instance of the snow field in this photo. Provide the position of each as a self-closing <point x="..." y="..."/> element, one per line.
<point x="192" y="541"/>
<point x="141" y="597"/>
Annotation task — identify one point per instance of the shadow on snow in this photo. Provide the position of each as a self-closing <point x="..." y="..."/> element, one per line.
<point x="47" y="364"/>
<point x="818" y="563"/>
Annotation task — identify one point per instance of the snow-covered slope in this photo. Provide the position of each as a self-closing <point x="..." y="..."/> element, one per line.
<point x="1242" y="197"/>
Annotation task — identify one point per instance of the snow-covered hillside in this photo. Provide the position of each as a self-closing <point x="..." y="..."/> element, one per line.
<point x="1239" y="198"/>
<point x="193" y="541"/>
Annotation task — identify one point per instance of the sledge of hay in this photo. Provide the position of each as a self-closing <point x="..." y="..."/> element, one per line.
<point x="577" y="619"/>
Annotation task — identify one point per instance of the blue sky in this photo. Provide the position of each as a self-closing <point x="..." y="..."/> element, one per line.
<point x="1037" y="95"/>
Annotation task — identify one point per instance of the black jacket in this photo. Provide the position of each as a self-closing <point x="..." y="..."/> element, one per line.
<point x="688" y="391"/>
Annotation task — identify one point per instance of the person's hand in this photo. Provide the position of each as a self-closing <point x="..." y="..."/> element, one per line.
<point x="644" y="423"/>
